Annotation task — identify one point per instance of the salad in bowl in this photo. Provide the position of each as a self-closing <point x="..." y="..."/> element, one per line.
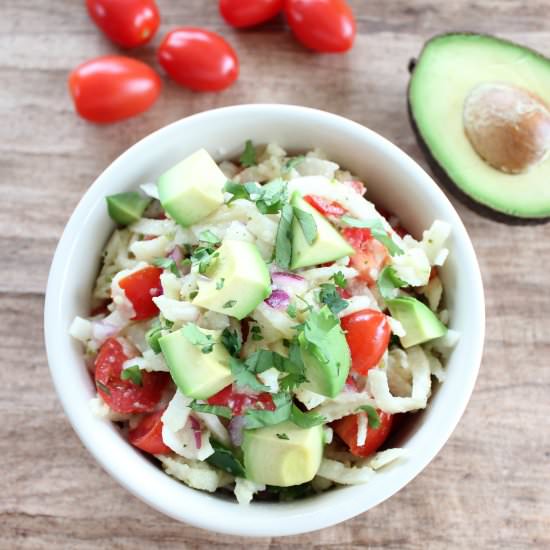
<point x="260" y="328"/>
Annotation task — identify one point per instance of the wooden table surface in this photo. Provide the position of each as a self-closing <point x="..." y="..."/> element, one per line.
<point x="490" y="485"/>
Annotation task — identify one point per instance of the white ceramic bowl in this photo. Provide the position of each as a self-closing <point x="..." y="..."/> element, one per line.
<point x="394" y="181"/>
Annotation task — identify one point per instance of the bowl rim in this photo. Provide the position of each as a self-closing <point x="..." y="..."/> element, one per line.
<point x="301" y="516"/>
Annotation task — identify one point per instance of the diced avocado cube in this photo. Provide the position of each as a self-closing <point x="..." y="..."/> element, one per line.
<point x="327" y="377"/>
<point x="196" y="374"/>
<point x="329" y="245"/>
<point x="192" y="189"/>
<point x="418" y="320"/>
<point x="126" y="208"/>
<point x="283" y="454"/>
<point x="237" y="281"/>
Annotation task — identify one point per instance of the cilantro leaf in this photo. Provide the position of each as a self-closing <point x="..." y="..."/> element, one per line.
<point x="330" y="297"/>
<point x="229" y="304"/>
<point x="218" y="410"/>
<point x="224" y="459"/>
<point x="256" y="333"/>
<point x="167" y="263"/>
<point x="103" y="387"/>
<point x="293" y="162"/>
<point x="283" y="240"/>
<point x="282" y="436"/>
<point x="388" y="282"/>
<point x="307" y="224"/>
<point x="305" y="419"/>
<point x="204" y="257"/>
<point x="238" y="190"/>
<point x="256" y="418"/>
<point x="339" y="279"/>
<point x="198" y="338"/>
<point x="152" y="337"/>
<point x="244" y="376"/>
<point x="372" y="415"/>
<point x="377" y="230"/>
<point x="209" y="237"/>
<point x="232" y="341"/>
<point x="291" y="311"/>
<point x="273" y="196"/>
<point x="220" y="283"/>
<point x="248" y="158"/>
<point x="133" y="374"/>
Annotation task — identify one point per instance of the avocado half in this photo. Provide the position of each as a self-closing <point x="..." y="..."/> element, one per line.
<point x="448" y="68"/>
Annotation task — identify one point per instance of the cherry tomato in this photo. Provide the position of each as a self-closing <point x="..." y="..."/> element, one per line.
<point x="324" y="206"/>
<point x="322" y="25"/>
<point x="370" y="255"/>
<point x="346" y="428"/>
<point x="124" y="396"/>
<point x="198" y="59"/>
<point x="113" y="87"/>
<point x="128" y="23"/>
<point x="147" y="435"/>
<point x="248" y="13"/>
<point x="240" y="402"/>
<point x="368" y="335"/>
<point x="140" y="288"/>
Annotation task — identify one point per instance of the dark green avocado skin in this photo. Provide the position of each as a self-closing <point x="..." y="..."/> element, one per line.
<point x="443" y="178"/>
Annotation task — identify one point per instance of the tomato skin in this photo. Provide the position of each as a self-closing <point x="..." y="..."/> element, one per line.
<point x="123" y="396"/>
<point x="370" y="255"/>
<point x="368" y="335"/>
<point x="248" y="13"/>
<point x="346" y="428"/>
<point x="239" y="402"/>
<point x="140" y="287"/>
<point x="198" y="59"/>
<point x="147" y="435"/>
<point x="128" y="23"/>
<point x="325" y="206"/>
<point x="112" y="88"/>
<point x="326" y="26"/>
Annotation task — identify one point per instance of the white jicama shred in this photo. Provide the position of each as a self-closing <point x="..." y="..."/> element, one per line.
<point x="309" y="398"/>
<point x="320" y="275"/>
<point x="100" y="409"/>
<point x="183" y="442"/>
<point x="377" y="383"/>
<point x="270" y="378"/>
<point x="198" y="475"/>
<point x="343" y="405"/>
<point x="150" y="189"/>
<point x="383" y="458"/>
<point x="312" y="166"/>
<point x="174" y="310"/>
<point x="446" y="343"/>
<point x="328" y="434"/>
<point x="433" y="240"/>
<point x="396" y="327"/>
<point x="412" y="266"/>
<point x="357" y="303"/>
<point x="436" y="368"/>
<point x="135" y="333"/>
<point x="274" y="324"/>
<point x="213" y="320"/>
<point x="362" y="428"/>
<point x="216" y="428"/>
<point x="81" y="329"/>
<point x="171" y="285"/>
<point x="154" y="362"/>
<point x="156" y="228"/>
<point x="176" y="414"/>
<point x="433" y="292"/>
<point x="238" y="231"/>
<point x="399" y="373"/>
<point x="345" y="475"/>
<point x="246" y="489"/>
<point x="149" y="250"/>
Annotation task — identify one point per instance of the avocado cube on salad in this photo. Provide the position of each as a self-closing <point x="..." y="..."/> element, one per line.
<point x="192" y="189"/>
<point x="126" y="208"/>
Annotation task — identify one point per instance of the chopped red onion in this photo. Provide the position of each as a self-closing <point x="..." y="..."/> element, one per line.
<point x="279" y="299"/>
<point x="197" y="432"/>
<point x="101" y="330"/>
<point x="289" y="282"/>
<point x="236" y="427"/>
<point x="176" y="255"/>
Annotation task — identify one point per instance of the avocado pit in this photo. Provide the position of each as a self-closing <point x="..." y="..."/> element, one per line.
<point x="508" y="127"/>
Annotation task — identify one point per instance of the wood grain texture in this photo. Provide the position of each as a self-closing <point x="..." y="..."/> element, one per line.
<point x="489" y="486"/>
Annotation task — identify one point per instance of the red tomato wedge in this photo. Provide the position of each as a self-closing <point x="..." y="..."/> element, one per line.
<point x="112" y="88"/>
<point x="370" y="255"/>
<point x="325" y="206"/>
<point x="248" y="13"/>
<point x="140" y="288"/>
<point x="147" y="435"/>
<point x="123" y="396"/>
<point x="198" y="59"/>
<point x="368" y="335"/>
<point x="322" y="25"/>
<point x="346" y="428"/>
<point x="128" y="23"/>
<point x="240" y="402"/>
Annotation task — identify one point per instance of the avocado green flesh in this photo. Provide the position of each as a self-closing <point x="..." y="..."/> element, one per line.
<point x="290" y="458"/>
<point x="196" y="374"/>
<point x="126" y="208"/>
<point x="447" y="70"/>
<point x="418" y="320"/>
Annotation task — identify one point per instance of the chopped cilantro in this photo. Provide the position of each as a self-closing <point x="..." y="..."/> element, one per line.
<point x="283" y="436"/>
<point x="305" y="419"/>
<point x="293" y="162"/>
<point x="193" y="294"/>
<point x="133" y="374"/>
<point x="238" y="190"/>
<point x="339" y="279"/>
<point x="198" y="338"/>
<point x="169" y="264"/>
<point x="209" y="237"/>
<point x="224" y="459"/>
<point x="103" y="387"/>
<point x="269" y="198"/>
<point x="257" y="418"/>
<point x="377" y="230"/>
<point x="218" y="410"/>
<point x="330" y="297"/>
<point x="283" y="240"/>
<point x="152" y="337"/>
<point x="388" y="282"/>
<point x="256" y="333"/>
<point x="291" y="310"/>
<point x="229" y="304"/>
<point x="372" y="415"/>
<point x="244" y="376"/>
<point x="307" y="224"/>
<point x="220" y="283"/>
<point x="232" y="341"/>
<point x="204" y="257"/>
<point x="248" y="158"/>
